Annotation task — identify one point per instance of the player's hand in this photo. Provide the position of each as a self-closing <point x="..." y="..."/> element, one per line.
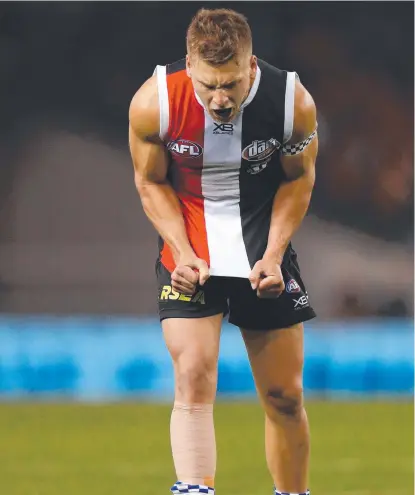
<point x="266" y="278"/>
<point x="189" y="272"/>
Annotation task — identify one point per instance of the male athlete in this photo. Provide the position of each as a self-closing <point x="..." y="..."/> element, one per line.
<point x="224" y="147"/>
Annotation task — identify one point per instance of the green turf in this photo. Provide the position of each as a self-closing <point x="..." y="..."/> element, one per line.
<point x="123" y="449"/>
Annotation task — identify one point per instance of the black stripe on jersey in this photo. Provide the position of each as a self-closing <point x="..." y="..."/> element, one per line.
<point x="176" y="66"/>
<point x="259" y="179"/>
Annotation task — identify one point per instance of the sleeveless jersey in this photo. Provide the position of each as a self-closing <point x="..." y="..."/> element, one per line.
<point x="225" y="175"/>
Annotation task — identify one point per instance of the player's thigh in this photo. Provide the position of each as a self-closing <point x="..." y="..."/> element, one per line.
<point x="273" y="333"/>
<point x="193" y="344"/>
<point x="191" y="324"/>
<point x="277" y="358"/>
<point x="193" y="340"/>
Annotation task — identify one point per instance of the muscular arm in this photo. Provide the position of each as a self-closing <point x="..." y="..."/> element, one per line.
<point x="293" y="197"/>
<point x="149" y="156"/>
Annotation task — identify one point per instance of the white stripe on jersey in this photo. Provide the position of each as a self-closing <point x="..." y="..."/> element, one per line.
<point x="220" y="188"/>
<point x="221" y="191"/>
<point x="163" y="96"/>
<point x="289" y="106"/>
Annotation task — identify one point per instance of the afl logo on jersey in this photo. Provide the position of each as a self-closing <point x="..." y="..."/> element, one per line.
<point x="182" y="147"/>
<point x="259" y="153"/>
<point x="292" y="286"/>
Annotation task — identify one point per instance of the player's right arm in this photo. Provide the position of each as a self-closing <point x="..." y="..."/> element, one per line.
<point x="149" y="156"/>
<point x="150" y="161"/>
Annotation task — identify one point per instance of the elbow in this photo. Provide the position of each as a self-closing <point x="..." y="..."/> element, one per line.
<point x="144" y="195"/>
<point x="145" y="186"/>
<point x="142" y="185"/>
<point x="311" y="178"/>
<point x="308" y="177"/>
<point x="308" y="186"/>
<point x="139" y="184"/>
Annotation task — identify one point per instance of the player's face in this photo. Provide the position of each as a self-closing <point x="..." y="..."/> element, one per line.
<point x="223" y="88"/>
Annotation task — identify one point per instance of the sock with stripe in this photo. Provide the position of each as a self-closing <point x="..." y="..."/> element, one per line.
<point x="179" y="488"/>
<point x="276" y="492"/>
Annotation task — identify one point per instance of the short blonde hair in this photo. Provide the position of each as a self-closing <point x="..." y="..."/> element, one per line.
<point x="218" y="35"/>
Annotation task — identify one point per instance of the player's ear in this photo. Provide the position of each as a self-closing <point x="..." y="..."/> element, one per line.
<point x="253" y="65"/>
<point x="188" y="65"/>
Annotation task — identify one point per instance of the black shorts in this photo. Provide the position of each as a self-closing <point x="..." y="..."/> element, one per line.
<point x="234" y="297"/>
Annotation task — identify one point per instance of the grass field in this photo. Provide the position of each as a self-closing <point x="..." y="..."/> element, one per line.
<point x="123" y="449"/>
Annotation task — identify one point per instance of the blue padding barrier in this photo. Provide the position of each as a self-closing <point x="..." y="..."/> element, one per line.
<point x="119" y="358"/>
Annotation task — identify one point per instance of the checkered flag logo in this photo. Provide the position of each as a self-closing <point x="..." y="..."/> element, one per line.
<point x="286" y="493"/>
<point x="180" y="487"/>
<point x="294" y="149"/>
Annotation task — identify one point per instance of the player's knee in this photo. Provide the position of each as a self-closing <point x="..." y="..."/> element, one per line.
<point x="285" y="401"/>
<point x="196" y="381"/>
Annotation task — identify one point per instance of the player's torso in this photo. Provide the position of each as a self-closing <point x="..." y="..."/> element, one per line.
<point x="226" y="175"/>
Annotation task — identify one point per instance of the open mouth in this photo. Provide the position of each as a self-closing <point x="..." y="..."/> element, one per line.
<point x="223" y="113"/>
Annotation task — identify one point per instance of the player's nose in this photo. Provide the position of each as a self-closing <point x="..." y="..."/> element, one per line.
<point x="220" y="100"/>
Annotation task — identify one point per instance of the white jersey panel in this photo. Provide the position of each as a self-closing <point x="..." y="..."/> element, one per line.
<point x="221" y="192"/>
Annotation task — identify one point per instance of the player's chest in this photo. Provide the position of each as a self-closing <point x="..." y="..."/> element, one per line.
<point x="238" y="144"/>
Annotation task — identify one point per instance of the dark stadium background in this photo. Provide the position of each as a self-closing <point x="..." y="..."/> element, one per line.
<point x="77" y="253"/>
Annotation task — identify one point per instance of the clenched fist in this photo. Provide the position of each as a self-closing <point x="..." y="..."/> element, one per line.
<point x="189" y="271"/>
<point x="266" y="278"/>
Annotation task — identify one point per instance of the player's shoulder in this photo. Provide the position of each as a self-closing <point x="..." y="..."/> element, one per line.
<point x="302" y="96"/>
<point x="305" y="111"/>
<point x="268" y="68"/>
<point x="144" y="108"/>
<point x="283" y="82"/>
<point x="177" y="67"/>
<point x="303" y="100"/>
<point x="275" y="84"/>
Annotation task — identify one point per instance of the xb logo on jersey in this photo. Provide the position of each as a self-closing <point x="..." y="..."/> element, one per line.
<point x="259" y="153"/>
<point x="223" y="129"/>
<point x="168" y="293"/>
<point x="302" y="302"/>
<point x="185" y="148"/>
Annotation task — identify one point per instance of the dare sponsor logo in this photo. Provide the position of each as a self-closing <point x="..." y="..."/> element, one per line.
<point x="259" y="153"/>
<point x="185" y="148"/>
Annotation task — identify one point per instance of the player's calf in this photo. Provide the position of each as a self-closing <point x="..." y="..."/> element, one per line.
<point x="193" y="445"/>
<point x="192" y="430"/>
<point x="193" y="345"/>
<point x="287" y="439"/>
<point x="277" y="361"/>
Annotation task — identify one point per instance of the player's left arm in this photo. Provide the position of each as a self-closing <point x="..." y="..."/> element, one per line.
<point x="292" y="199"/>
